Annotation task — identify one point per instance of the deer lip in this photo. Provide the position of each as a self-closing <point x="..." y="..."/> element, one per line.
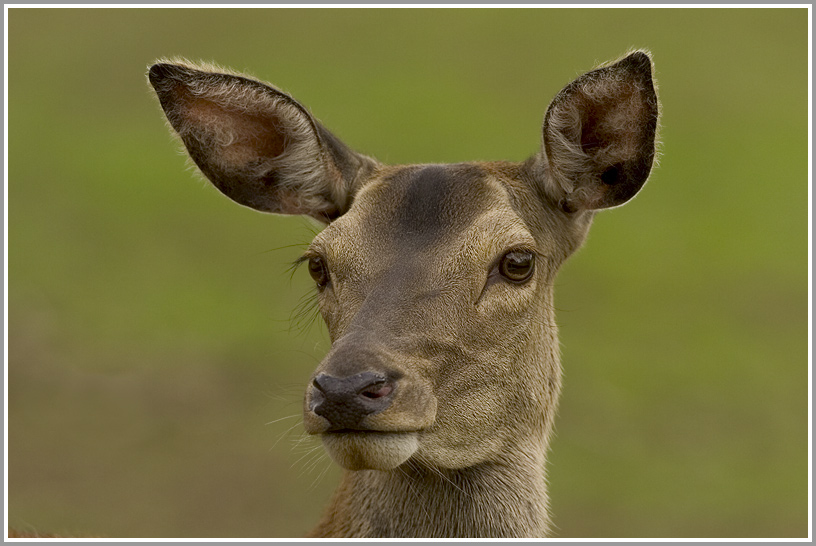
<point x="370" y="450"/>
<point x="371" y="431"/>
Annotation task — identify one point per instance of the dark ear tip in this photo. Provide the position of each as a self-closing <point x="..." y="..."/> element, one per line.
<point x="639" y="62"/>
<point x="639" y="57"/>
<point x="157" y="73"/>
<point x="162" y="71"/>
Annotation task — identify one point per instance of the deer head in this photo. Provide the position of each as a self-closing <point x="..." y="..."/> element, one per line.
<point x="435" y="283"/>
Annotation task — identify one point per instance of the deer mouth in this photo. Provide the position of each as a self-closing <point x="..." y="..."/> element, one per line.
<point x="370" y="450"/>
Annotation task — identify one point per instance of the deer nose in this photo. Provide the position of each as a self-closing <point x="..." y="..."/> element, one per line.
<point x="345" y="401"/>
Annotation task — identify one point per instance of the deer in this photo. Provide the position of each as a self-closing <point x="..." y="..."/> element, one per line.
<point x="439" y="390"/>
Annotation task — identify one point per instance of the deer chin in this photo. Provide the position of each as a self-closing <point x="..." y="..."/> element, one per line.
<point x="369" y="450"/>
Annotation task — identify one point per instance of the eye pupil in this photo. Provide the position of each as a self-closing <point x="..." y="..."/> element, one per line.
<point x="318" y="271"/>
<point x="517" y="266"/>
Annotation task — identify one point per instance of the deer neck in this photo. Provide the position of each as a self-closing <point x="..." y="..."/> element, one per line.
<point x="505" y="498"/>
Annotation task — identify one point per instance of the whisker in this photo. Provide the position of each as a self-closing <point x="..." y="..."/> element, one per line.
<point x="309" y="452"/>
<point x="284" y="433"/>
<point x="412" y="490"/>
<point x="322" y="473"/>
<point x="304" y="437"/>
<point x="282" y="418"/>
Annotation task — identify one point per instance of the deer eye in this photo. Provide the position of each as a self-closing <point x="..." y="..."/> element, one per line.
<point x="319" y="271"/>
<point x="517" y="265"/>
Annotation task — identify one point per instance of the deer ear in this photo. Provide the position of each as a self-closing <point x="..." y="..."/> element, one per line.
<point x="257" y="144"/>
<point x="599" y="135"/>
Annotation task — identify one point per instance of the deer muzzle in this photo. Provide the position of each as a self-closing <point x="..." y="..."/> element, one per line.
<point x="368" y="419"/>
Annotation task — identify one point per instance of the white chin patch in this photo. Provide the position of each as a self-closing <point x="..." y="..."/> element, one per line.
<point x="370" y="450"/>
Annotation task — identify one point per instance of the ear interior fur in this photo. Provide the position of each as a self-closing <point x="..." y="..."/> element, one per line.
<point x="599" y="135"/>
<point x="255" y="143"/>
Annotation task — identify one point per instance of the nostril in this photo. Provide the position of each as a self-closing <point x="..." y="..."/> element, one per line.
<point x="316" y="383"/>
<point x="346" y="401"/>
<point x="377" y="391"/>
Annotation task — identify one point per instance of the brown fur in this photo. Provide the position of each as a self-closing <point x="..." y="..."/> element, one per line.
<point x="435" y="282"/>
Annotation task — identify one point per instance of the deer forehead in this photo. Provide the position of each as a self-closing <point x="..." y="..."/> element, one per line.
<point x="443" y="215"/>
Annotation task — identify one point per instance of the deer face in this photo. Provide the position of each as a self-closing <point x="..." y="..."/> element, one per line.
<point x="435" y="311"/>
<point x="435" y="282"/>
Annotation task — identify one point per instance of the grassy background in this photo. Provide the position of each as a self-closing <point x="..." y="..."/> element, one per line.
<point x="149" y="332"/>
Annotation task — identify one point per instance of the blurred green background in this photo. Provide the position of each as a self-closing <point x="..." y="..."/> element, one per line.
<point x="156" y="365"/>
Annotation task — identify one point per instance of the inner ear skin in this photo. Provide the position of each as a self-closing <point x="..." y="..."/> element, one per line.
<point x="242" y="139"/>
<point x="612" y="175"/>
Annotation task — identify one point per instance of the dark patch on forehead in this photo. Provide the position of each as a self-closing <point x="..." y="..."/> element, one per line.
<point x="438" y="199"/>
